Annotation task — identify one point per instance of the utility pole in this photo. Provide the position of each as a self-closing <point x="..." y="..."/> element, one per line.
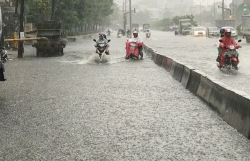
<point x="130" y="15"/>
<point x="223" y="17"/>
<point x="123" y="15"/>
<point x="214" y="10"/>
<point x="21" y="18"/>
<point x="200" y="13"/>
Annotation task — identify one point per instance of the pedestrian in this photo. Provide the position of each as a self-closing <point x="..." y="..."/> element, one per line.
<point x="2" y="70"/>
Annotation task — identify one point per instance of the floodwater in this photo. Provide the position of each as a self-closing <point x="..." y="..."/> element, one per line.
<point x="71" y="108"/>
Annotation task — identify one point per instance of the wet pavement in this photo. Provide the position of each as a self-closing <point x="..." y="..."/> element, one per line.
<point x="201" y="53"/>
<point x="70" y="108"/>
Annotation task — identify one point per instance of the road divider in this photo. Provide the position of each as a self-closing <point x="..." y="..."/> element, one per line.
<point x="232" y="105"/>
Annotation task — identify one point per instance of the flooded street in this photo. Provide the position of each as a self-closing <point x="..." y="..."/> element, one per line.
<point x="70" y="108"/>
<point x="201" y="53"/>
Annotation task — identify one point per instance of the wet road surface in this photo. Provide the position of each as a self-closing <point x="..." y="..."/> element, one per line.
<point x="201" y="53"/>
<point x="70" y="108"/>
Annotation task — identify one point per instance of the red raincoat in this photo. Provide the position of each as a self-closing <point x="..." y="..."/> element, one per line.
<point x="225" y="45"/>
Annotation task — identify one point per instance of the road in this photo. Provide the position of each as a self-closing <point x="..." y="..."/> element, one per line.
<point x="70" y="108"/>
<point x="201" y="53"/>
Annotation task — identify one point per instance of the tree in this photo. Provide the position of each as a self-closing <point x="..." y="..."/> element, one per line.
<point x="72" y="13"/>
<point x="191" y="17"/>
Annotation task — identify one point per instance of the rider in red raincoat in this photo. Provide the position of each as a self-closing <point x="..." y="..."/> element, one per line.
<point x="227" y="40"/>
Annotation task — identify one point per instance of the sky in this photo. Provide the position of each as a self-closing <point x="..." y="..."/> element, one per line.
<point x="210" y="2"/>
<point x="206" y="2"/>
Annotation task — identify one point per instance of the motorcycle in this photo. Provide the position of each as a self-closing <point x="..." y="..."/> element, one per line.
<point x="119" y="35"/>
<point x="7" y="45"/>
<point x="101" y="49"/>
<point x="148" y="34"/>
<point x="231" y="57"/>
<point x="108" y="33"/>
<point x="132" y="49"/>
<point x="4" y="55"/>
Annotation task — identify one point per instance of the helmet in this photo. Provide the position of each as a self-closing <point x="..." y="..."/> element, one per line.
<point x="228" y="30"/>
<point x="100" y="35"/>
<point x="135" y="33"/>
<point x="222" y="31"/>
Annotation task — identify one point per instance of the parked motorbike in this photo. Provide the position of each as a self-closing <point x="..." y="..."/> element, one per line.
<point x="101" y="49"/>
<point x="4" y="55"/>
<point x="7" y="44"/>
<point x="231" y="57"/>
<point x="132" y="49"/>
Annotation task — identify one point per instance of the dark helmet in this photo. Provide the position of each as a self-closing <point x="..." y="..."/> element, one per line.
<point x="222" y="31"/>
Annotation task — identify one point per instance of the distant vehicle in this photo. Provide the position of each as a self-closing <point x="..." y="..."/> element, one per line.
<point x="145" y="27"/>
<point x="109" y="30"/>
<point x="213" y="32"/>
<point x="221" y="23"/>
<point x="234" y="33"/>
<point x="184" y="26"/>
<point x="135" y="27"/>
<point x="198" y="31"/>
<point x="246" y="27"/>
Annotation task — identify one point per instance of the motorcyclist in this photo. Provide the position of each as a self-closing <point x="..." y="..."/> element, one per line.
<point x="108" y="32"/>
<point x="119" y="32"/>
<point x="137" y="39"/>
<point x="222" y="33"/>
<point x="128" y="33"/>
<point x="102" y="40"/>
<point x="148" y="33"/>
<point x="227" y="40"/>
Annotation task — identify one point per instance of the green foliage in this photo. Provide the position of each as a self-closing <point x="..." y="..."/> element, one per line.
<point x="191" y="17"/>
<point x="167" y="22"/>
<point x="162" y="24"/>
<point x="72" y="13"/>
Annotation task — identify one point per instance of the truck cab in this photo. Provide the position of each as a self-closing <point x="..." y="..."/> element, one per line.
<point x="185" y="26"/>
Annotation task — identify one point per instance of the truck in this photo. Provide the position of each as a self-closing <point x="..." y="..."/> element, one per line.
<point x="146" y="26"/>
<point x="222" y="23"/>
<point x="184" y="26"/>
<point x="135" y="27"/>
<point x="53" y="43"/>
<point x="246" y="27"/>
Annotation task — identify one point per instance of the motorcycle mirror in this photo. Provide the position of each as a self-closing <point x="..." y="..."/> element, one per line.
<point x="220" y="40"/>
<point x="239" y="40"/>
<point x="94" y="40"/>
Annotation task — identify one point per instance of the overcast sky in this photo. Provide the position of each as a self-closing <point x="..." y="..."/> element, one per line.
<point x="204" y="2"/>
<point x="210" y="2"/>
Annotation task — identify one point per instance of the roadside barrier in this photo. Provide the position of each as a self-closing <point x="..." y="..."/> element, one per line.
<point x="232" y="105"/>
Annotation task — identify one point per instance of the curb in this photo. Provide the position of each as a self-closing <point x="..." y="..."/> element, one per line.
<point x="233" y="106"/>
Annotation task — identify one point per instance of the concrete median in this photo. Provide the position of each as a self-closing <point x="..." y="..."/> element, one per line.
<point x="186" y="75"/>
<point x="177" y="70"/>
<point x="167" y="63"/>
<point x="158" y="59"/>
<point x="233" y="106"/>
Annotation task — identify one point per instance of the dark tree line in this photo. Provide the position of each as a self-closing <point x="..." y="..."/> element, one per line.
<point x="75" y="15"/>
